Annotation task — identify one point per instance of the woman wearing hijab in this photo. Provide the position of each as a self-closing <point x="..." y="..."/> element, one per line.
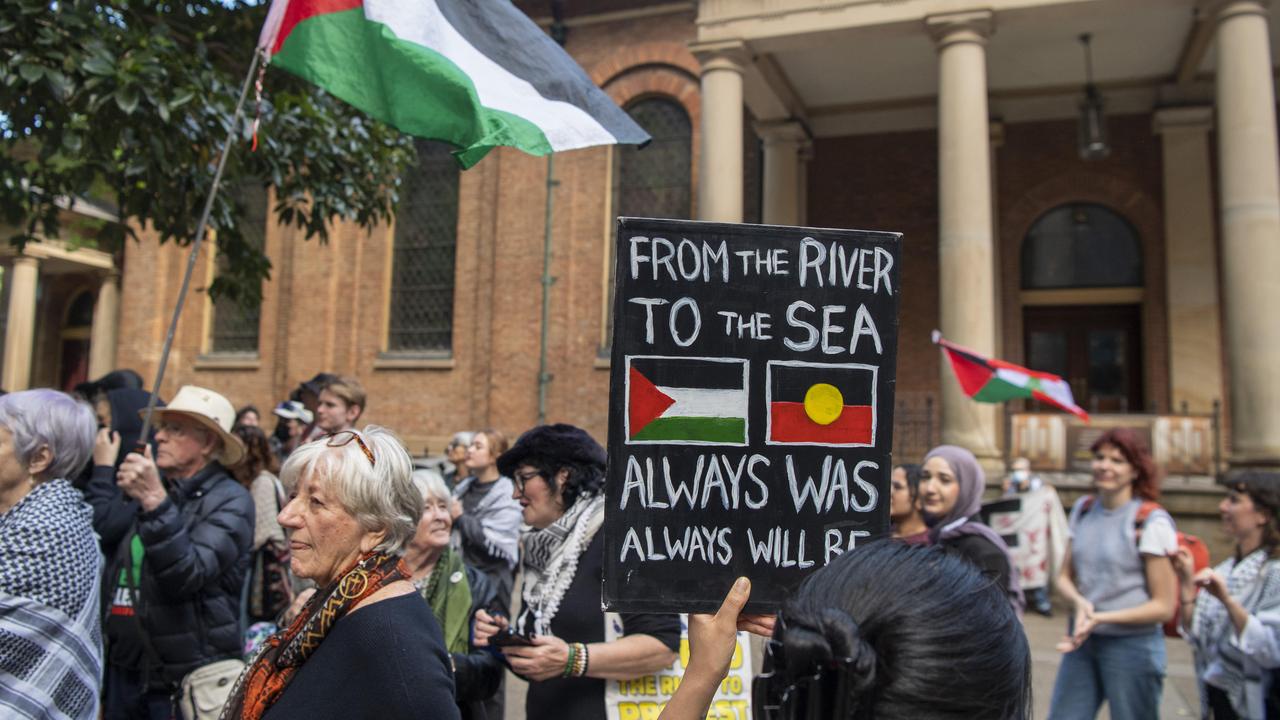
<point x="559" y="479"/>
<point x="951" y="484"/>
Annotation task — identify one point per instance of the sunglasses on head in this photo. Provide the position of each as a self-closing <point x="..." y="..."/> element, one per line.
<point x="343" y="438"/>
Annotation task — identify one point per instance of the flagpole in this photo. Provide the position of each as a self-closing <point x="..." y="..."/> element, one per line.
<point x="195" y="249"/>
<point x="544" y="377"/>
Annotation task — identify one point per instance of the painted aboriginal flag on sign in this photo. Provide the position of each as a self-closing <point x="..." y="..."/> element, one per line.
<point x="821" y="404"/>
<point x="686" y="401"/>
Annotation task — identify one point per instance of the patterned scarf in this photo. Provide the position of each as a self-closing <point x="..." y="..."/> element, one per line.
<point x="266" y="678"/>
<point x="447" y="592"/>
<point x="551" y="560"/>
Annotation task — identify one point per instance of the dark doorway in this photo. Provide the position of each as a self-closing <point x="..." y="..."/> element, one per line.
<point x="1096" y="348"/>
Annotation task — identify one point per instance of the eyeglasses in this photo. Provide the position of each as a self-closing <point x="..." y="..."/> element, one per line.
<point x="344" y="437"/>
<point x="521" y="478"/>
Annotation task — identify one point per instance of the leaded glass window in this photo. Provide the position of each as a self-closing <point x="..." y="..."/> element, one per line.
<point x="236" y="321"/>
<point x="422" y="271"/>
<point x="653" y="181"/>
<point x="1081" y="245"/>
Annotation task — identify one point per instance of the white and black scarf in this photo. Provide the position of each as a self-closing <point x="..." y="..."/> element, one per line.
<point x="1224" y="666"/>
<point x="551" y="560"/>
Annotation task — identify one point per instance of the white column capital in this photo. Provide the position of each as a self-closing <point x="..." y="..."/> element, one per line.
<point x="776" y="132"/>
<point x="732" y="55"/>
<point x="1222" y="9"/>
<point x="1184" y="118"/>
<point x="970" y="26"/>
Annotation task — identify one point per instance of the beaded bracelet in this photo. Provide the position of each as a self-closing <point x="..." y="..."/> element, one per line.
<point x="571" y="665"/>
<point x="583" y="659"/>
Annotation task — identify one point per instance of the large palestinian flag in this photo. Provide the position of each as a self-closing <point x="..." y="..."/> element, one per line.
<point x="473" y="73"/>
<point x="991" y="381"/>
<point x="821" y="404"/>
<point x="686" y="401"/>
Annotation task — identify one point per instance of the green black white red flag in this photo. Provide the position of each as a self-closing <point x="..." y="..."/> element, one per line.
<point x="989" y="380"/>
<point x="473" y="73"/>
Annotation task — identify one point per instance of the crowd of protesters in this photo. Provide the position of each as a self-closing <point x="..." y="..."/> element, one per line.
<point x="210" y="567"/>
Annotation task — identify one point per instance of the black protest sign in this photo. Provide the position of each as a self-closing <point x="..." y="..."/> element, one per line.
<point x="751" y="407"/>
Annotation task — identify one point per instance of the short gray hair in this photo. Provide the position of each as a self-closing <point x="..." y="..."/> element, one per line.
<point x="431" y="484"/>
<point x="54" y="420"/>
<point x="463" y="438"/>
<point x="379" y="495"/>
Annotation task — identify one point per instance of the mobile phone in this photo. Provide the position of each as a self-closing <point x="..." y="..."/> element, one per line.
<point x="506" y="638"/>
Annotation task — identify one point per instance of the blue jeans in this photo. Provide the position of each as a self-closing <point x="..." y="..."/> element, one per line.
<point x="1125" y="670"/>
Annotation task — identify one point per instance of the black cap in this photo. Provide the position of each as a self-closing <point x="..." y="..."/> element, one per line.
<point x="559" y="442"/>
<point x="318" y="383"/>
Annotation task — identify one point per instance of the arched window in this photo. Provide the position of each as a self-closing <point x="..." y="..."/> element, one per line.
<point x="422" y="269"/>
<point x="654" y="181"/>
<point x="1081" y="245"/>
<point x="236" y="321"/>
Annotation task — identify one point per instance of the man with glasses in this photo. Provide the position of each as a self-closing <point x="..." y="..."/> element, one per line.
<point x="177" y="531"/>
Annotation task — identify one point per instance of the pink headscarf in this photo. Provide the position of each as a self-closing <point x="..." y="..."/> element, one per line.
<point x="972" y="481"/>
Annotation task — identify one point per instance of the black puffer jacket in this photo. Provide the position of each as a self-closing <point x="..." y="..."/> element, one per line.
<point x="196" y="553"/>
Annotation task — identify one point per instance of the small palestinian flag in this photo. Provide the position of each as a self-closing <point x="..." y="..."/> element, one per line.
<point x="991" y="381"/>
<point x="821" y="404"/>
<point x="686" y="401"/>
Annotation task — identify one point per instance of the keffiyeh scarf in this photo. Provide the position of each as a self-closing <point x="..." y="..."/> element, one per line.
<point x="551" y="560"/>
<point x="50" y="630"/>
<point x="267" y="677"/>
<point x="1246" y="581"/>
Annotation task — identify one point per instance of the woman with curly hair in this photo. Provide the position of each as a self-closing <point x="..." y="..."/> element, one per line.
<point x="1231" y="613"/>
<point x="1118" y="575"/>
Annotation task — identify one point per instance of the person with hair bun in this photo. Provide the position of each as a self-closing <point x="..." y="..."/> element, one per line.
<point x="1234" y="624"/>
<point x="886" y="631"/>
<point x="1118" y="575"/>
<point x="951" y="484"/>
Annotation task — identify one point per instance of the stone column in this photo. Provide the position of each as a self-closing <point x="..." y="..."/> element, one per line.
<point x="1191" y="258"/>
<point x="720" y="168"/>
<point x="966" y="279"/>
<point x="784" y="143"/>
<point x="1250" y="206"/>
<point x="20" y="330"/>
<point x="106" y="327"/>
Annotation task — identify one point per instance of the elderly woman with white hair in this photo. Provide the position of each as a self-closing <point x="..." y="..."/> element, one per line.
<point x="51" y="657"/>
<point x="454" y="590"/>
<point x="366" y="644"/>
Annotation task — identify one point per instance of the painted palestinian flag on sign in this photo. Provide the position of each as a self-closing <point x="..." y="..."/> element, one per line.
<point x="991" y="381"/>
<point x="821" y="404"/>
<point x="474" y="73"/>
<point x="686" y="401"/>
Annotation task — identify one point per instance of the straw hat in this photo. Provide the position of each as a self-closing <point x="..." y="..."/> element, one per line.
<point x="211" y="410"/>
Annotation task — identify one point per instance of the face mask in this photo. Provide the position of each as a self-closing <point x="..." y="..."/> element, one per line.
<point x="1021" y="476"/>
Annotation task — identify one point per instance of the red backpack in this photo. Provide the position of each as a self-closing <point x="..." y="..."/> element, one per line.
<point x="1194" y="545"/>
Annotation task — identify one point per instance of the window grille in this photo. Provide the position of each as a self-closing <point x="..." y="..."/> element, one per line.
<point x="236" y="322"/>
<point x="653" y="181"/>
<point x="422" y="272"/>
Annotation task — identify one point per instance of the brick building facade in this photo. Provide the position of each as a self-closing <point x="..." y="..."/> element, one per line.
<point x="847" y="120"/>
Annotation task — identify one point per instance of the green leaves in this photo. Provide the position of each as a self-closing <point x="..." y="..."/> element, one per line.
<point x="129" y="104"/>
